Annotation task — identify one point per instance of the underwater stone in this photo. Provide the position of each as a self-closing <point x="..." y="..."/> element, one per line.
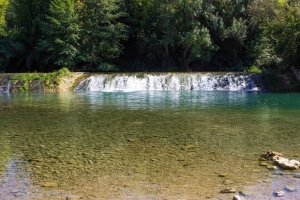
<point x="279" y="193"/>
<point x="271" y="167"/>
<point x="73" y="197"/>
<point x="290" y="189"/>
<point x="237" y="197"/>
<point x="243" y="193"/>
<point x="297" y="176"/>
<point x="49" y="184"/>
<point x="228" y="190"/>
<point x="222" y="175"/>
<point x="132" y="140"/>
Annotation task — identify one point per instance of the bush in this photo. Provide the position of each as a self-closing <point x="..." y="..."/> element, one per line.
<point x="49" y="81"/>
<point x="254" y="69"/>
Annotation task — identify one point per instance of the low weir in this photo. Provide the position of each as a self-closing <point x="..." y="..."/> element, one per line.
<point x="170" y="82"/>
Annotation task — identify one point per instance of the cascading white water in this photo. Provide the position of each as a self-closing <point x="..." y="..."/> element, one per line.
<point x="6" y="88"/>
<point x="169" y="81"/>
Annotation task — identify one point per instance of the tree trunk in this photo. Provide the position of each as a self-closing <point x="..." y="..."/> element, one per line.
<point x="185" y="58"/>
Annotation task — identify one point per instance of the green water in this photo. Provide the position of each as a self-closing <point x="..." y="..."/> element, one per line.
<point x="139" y="145"/>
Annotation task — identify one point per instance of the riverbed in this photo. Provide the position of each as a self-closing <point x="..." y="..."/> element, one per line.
<point x="144" y="145"/>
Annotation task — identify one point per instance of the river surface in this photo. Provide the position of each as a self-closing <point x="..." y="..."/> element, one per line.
<point x="145" y="145"/>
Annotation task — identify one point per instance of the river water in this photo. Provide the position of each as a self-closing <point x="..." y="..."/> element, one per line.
<point x="145" y="145"/>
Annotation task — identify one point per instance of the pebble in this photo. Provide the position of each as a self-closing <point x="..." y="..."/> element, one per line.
<point x="91" y="162"/>
<point x="297" y="176"/>
<point x="242" y="193"/>
<point x="73" y="197"/>
<point x="271" y="167"/>
<point x="222" y="175"/>
<point x="237" y="197"/>
<point x="290" y="189"/>
<point x="49" y="184"/>
<point x="279" y="193"/>
<point x="278" y="173"/>
<point x="132" y="140"/>
<point x="228" y="190"/>
<point x="262" y="159"/>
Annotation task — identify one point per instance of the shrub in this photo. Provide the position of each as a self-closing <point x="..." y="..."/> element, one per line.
<point x="49" y="81"/>
<point x="254" y="69"/>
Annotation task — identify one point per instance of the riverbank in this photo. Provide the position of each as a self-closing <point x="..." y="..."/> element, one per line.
<point x="60" y="81"/>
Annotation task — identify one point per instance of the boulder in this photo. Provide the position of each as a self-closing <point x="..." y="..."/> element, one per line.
<point x="285" y="163"/>
<point x="281" y="161"/>
<point x="272" y="155"/>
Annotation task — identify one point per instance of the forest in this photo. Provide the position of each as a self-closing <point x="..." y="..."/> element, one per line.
<point x="149" y="35"/>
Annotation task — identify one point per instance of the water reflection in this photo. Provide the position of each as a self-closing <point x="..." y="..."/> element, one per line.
<point x="163" y="99"/>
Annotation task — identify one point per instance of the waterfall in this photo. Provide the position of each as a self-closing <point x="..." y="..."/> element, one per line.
<point x="6" y="88"/>
<point x="170" y="81"/>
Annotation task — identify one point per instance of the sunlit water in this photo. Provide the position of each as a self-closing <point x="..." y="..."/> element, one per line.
<point x="144" y="145"/>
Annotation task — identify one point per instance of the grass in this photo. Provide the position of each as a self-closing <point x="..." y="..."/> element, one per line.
<point x="49" y="81"/>
<point x="254" y="69"/>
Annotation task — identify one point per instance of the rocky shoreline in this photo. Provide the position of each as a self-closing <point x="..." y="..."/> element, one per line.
<point x="285" y="178"/>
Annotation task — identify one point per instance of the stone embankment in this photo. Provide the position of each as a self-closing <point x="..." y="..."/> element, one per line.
<point x="36" y="82"/>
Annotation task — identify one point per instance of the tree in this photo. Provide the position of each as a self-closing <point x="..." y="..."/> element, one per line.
<point x="193" y="38"/>
<point x="23" y="31"/>
<point x="102" y="33"/>
<point x="227" y="22"/>
<point x="279" y="43"/>
<point x="3" y="9"/>
<point x="58" y="45"/>
<point x="169" y="32"/>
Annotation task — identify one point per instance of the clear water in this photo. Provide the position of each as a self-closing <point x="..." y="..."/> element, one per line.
<point x="141" y="145"/>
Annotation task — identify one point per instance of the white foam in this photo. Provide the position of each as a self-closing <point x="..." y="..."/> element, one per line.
<point x="169" y="82"/>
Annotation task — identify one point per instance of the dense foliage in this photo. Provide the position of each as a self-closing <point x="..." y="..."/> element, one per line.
<point x="149" y="35"/>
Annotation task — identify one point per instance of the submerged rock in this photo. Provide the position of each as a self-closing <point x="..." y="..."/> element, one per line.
<point x="49" y="184"/>
<point x="271" y="155"/>
<point x="297" y="176"/>
<point x="279" y="193"/>
<point x="290" y="189"/>
<point x="73" y="197"/>
<point x="237" y="197"/>
<point x="228" y="190"/>
<point x="222" y="175"/>
<point x="243" y="193"/>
